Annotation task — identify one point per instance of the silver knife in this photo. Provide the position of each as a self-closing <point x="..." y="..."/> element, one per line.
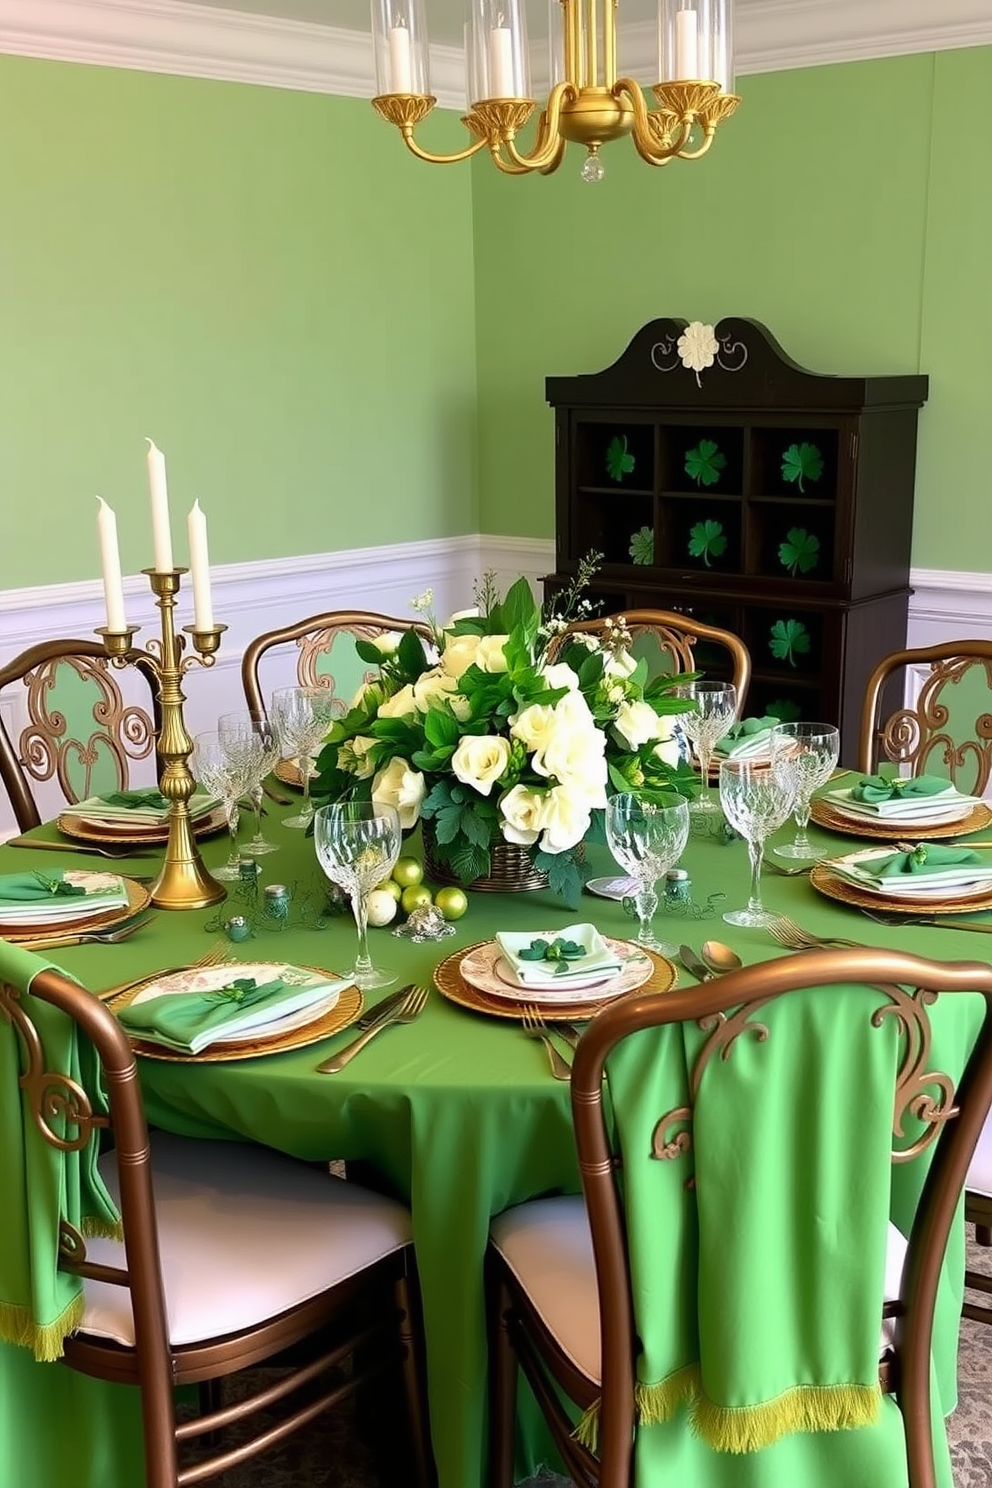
<point x="694" y="964"/>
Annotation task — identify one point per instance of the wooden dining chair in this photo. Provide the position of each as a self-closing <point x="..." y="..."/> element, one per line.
<point x="674" y="643"/>
<point x="233" y="1256"/>
<point x="325" y="654"/>
<point x="564" y="1273"/>
<point x="76" y="721"/>
<point x="947" y="730"/>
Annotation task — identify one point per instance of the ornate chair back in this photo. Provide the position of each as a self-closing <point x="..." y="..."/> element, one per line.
<point x="672" y="642"/>
<point x="79" y="723"/>
<point x="325" y="655"/>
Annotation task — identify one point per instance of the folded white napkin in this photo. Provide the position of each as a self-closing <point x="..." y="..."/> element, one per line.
<point x="597" y="958"/>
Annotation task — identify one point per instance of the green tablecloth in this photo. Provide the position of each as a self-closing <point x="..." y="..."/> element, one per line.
<point x="457" y="1114"/>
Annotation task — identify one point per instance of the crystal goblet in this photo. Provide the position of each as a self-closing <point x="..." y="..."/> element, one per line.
<point x="357" y="843"/>
<point x="646" y="840"/>
<point x="223" y="773"/>
<point x="757" y="796"/>
<point x="713" y="711"/>
<point x="301" y="717"/>
<point x="252" y="738"/>
<point x="814" y="749"/>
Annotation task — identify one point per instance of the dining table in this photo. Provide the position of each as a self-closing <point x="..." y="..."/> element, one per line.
<point x="456" y="1113"/>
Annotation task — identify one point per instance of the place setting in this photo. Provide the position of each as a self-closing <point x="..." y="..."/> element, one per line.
<point x="949" y="879"/>
<point x="921" y="807"/>
<point x="136" y="817"/>
<point x="37" y="907"/>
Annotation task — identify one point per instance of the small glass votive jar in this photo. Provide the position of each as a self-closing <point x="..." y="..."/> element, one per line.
<point x="276" y="903"/>
<point x="678" y="886"/>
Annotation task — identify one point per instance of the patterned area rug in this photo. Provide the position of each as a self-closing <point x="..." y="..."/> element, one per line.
<point x="339" y="1452"/>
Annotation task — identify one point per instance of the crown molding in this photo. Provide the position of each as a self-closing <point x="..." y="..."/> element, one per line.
<point x="174" y="36"/>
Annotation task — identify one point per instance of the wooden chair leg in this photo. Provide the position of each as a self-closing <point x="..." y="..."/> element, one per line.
<point x="503" y="1371"/>
<point x="414" y="1385"/>
<point x="983" y="1234"/>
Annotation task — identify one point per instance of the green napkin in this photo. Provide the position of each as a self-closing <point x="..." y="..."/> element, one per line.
<point x="28" y="888"/>
<point x="876" y="788"/>
<point x="190" y="1021"/>
<point x="596" y="955"/>
<point x="40" y="1304"/>
<point x="928" y="858"/>
<point x="131" y="799"/>
<point x="747" y="736"/>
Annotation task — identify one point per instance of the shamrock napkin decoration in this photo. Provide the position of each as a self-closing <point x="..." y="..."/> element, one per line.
<point x="877" y="788"/>
<point x="926" y="857"/>
<point x="132" y="799"/>
<point x="558" y="950"/>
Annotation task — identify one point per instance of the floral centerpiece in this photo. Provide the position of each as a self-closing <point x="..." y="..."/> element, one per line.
<point x="486" y="739"/>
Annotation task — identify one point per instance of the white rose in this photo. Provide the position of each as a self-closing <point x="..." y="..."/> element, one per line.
<point x="522" y="810"/>
<point x="619" y="664"/>
<point x="432" y="688"/>
<point x="560" y="675"/>
<point x="386" y="643"/>
<point x="472" y="613"/>
<point x="576" y="758"/>
<point x="480" y="760"/>
<point x="399" y="705"/>
<point x="637" y="724"/>
<point x="490" y="657"/>
<point x="460" y="707"/>
<point x="369" y="696"/>
<point x="400" y="785"/>
<point x="459" y="654"/>
<point x="534" y="726"/>
<point x="668" y="750"/>
<point x="353" y="756"/>
<point x="565" y="820"/>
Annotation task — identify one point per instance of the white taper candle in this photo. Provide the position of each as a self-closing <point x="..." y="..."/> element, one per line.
<point x="161" y="530"/>
<point x="199" y="562"/>
<point x="686" y="46"/>
<point x="110" y="562"/>
<point x="400" y="61"/>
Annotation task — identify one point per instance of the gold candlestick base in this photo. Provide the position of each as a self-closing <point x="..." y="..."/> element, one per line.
<point x="184" y="882"/>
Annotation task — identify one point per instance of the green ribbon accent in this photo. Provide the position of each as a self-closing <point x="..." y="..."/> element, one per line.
<point x="134" y="799"/>
<point x="928" y="857"/>
<point x="876" y="788"/>
<point x="27" y="888"/>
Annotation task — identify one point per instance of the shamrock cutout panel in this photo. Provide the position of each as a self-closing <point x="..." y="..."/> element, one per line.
<point x="789" y="639"/>
<point x="802" y="462"/>
<point x="705" y="462"/>
<point x="707" y="540"/>
<point x="784" y="710"/>
<point x="642" y="545"/>
<point x="800" y="553"/>
<point x="619" y="460"/>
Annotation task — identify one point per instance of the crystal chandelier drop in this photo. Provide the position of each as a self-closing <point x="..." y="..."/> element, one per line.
<point x="588" y="103"/>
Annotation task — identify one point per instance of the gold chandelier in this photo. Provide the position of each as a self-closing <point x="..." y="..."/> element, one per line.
<point x="587" y="104"/>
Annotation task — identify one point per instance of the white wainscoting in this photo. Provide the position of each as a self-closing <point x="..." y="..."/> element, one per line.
<point x="255" y="597"/>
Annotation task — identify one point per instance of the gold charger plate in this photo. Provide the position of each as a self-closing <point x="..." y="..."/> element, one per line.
<point x="451" y="984"/>
<point x="347" y="1008"/>
<point x="138" y="898"/>
<point x="288" y="771"/>
<point x="838" y="888"/>
<point x="89" y="831"/>
<point x="825" y="814"/>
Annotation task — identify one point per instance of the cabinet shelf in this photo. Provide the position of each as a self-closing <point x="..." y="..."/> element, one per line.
<point x="763" y="493"/>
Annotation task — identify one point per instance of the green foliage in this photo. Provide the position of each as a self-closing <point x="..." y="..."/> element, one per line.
<point x="789" y="639"/>
<point x="802" y="462"/>
<point x="704" y="463"/>
<point x="565" y="875"/>
<point x="800" y="552"/>
<point x="619" y="460"/>
<point x="642" y="545"/>
<point x="707" y="540"/>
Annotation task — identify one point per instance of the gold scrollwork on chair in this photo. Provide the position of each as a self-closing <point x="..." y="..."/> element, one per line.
<point x="320" y="643"/>
<point x="677" y="646"/>
<point x="59" y="1107"/>
<point x="122" y="733"/>
<point x="914" y="736"/>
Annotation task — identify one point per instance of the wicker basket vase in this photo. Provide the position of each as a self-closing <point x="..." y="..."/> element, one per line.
<point x="511" y="869"/>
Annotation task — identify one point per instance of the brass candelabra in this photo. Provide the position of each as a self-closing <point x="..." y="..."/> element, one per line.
<point x="183" y="882"/>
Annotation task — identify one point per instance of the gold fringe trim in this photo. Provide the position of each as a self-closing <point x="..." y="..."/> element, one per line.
<point x="98" y="1227"/>
<point x="749" y="1428"/>
<point x="46" y="1340"/>
<point x="653" y="1404"/>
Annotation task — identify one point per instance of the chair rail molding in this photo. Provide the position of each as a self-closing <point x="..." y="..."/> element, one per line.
<point x="254" y="597"/>
<point x="189" y="40"/>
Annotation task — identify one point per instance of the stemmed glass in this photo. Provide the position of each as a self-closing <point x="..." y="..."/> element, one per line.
<point x="714" y="710"/>
<point x="223" y="772"/>
<point x="646" y="840"/>
<point x="301" y="717"/>
<point x="814" y="749"/>
<point x="251" y="737"/>
<point x="757" y="796"/>
<point x="357" y="843"/>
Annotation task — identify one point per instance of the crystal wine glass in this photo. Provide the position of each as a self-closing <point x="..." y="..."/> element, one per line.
<point x="223" y="773"/>
<point x="757" y="796"/>
<point x="357" y="843"/>
<point x="301" y="717"/>
<point x="814" y="749"/>
<point x="252" y="737"/>
<point x="646" y="840"/>
<point x="714" y="710"/>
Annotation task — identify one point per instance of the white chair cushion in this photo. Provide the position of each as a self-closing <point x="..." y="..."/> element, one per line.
<point x="980" y="1172"/>
<point x="548" y="1247"/>
<point x="244" y="1234"/>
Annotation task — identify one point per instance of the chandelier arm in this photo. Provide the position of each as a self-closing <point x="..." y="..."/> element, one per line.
<point x="549" y="147"/>
<point x="643" y="141"/>
<point x="697" y="154"/>
<point x="473" y="149"/>
<point x="508" y="167"/>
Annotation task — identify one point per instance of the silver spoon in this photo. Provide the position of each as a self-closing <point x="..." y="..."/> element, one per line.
<point x="719" y="957"/>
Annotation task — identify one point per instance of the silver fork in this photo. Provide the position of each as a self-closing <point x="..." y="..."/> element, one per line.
<point x="788" y="933"/>
<point x="535" y="1027"/>
<point x="111" y="936"/>
<point x="411" y="1007"/>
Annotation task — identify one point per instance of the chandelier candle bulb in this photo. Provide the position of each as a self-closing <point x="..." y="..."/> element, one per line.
<point x="110" y="562"/>
<point x="686" y="49"/>
<point x="161" y="529"/>
<point x="400" y="65"/>
<point x="199" y="562"/>
<point x="501" y="62"/>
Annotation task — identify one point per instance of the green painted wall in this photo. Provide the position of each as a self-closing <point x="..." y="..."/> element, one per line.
<point x="262" y="281"/>
<point x="844" y="206"/>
